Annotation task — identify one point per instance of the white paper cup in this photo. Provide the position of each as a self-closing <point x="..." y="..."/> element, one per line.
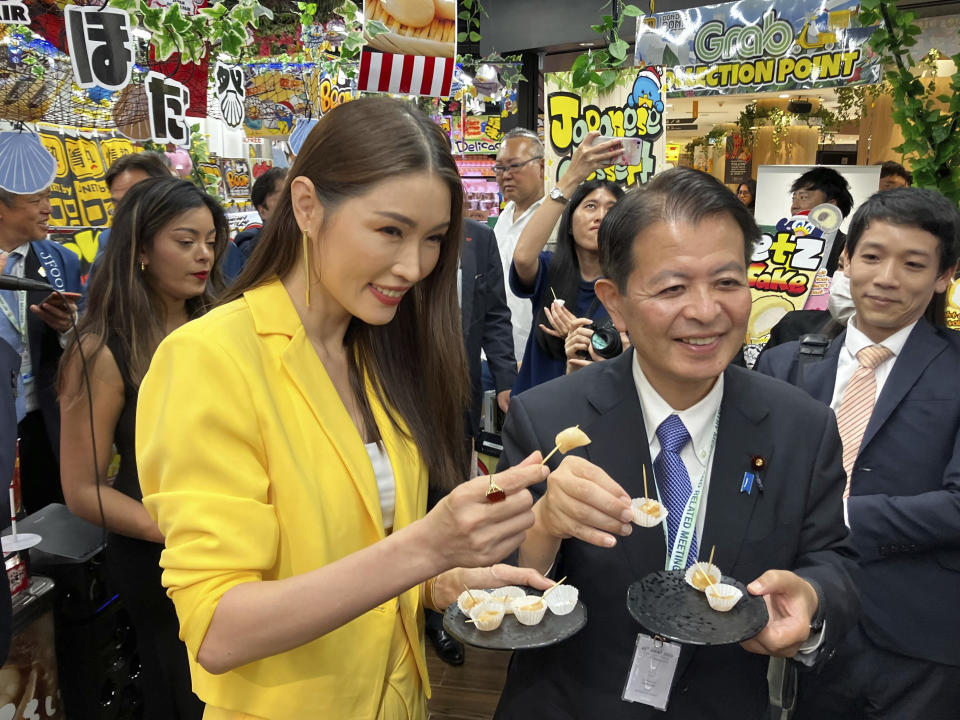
<point x="563" y="599"/>
<point x="506" y="595"/>
<point x="487" y="616"/>
<point x="712" y="570"/>
<point x="466" y="603"/>
<point x="723" y="597"/>
<point x="530" y="609"/>
<point x="647" y="519"/>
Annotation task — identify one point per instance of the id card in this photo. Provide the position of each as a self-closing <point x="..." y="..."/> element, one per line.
<point x="651" y="673"/>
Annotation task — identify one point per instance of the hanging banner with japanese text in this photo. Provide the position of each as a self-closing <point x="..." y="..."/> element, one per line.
<point x="632" y="109"/>
<point x="753" y="46"/>
<point x="79" y="195"/>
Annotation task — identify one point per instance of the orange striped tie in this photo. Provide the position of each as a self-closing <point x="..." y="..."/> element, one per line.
<point x="856" y="407"/>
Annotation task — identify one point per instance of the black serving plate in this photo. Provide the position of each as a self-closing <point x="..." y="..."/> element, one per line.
<point x="666" y="605"/>
<point x="511" y="635"/>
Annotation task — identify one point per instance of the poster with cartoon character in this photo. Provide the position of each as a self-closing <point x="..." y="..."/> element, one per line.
<point x="632" y="109"/>
<point x="787" y="270"/>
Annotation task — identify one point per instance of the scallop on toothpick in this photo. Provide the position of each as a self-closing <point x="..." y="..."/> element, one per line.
<point x="567" y="440"/>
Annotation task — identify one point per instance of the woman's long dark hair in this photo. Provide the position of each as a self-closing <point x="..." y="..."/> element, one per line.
<point x="416" y="362"/>
<point x="563" y="276"/>
<point x="119" y="301"/>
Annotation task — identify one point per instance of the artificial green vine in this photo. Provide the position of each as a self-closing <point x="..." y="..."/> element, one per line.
<point x="471" y="14"/>
<point x="192" y="35"/>
<point x="599" y="67"/>
<point x="931" y="141"/>
<point x="345" y="61"/>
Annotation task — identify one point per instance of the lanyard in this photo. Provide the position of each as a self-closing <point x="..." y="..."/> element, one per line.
<point x="677" y="556"/>
<point x="21" y="326"/>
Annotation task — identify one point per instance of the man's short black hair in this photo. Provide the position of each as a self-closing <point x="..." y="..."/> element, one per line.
<point x="678" y="195"/>
<point x="915" y="208"/>
<point x="889" y="167"/>
<point x="265" y="185"/>
<point x="152" y="163"/>
<point x="830" y="183"/>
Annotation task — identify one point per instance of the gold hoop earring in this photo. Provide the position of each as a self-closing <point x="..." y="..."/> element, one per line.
<point x="306" y="263"/>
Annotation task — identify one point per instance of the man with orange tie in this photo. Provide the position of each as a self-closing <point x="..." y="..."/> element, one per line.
<point x="892" y="378"/>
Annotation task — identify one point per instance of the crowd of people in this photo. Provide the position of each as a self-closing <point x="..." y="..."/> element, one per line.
<point x="297" y="494"/>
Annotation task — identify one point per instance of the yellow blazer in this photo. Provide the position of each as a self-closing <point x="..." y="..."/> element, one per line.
<point x="254" y="470"/>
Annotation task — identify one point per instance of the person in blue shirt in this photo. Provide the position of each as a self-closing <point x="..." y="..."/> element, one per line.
<point x="568" y="273"/>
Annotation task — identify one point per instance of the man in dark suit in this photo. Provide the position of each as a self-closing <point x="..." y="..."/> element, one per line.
<point x="674" y="254"/>
<point x="487" y="327"/>
<point x="36" y="324"/>
<point x="486" y="317"/>
<point x="9" y="369"/>
<point x="899" y="417"/>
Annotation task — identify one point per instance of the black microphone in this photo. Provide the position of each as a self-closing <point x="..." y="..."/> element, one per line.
<point x="9" y="282"/>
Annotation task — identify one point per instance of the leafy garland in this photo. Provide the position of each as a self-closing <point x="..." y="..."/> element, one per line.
<point x="191" y="35"/>
<point x="471" y="14"/>
<point x="598" y="68"/>
<point x="931" y="141"/>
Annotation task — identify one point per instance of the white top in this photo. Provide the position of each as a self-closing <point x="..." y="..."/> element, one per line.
<point x="856" y="341"/>
<point x="508" y="230"/>
<point x="386" y="484"/>
<point x="699" y="420"/>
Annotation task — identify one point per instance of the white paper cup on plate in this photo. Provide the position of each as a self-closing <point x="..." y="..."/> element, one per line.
<point x="506" y="595"/>
<point x="529" y="610"/>
<point x="653" y="514"/>
<point x="487" y="616"/>
<point x="469" y="600"/>
<point x="695" y="575"/>
<point x="563" y="599"/>
<point x="723" y="597"/>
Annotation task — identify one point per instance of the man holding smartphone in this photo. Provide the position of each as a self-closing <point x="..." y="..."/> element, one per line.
<point x="36" y="324"/>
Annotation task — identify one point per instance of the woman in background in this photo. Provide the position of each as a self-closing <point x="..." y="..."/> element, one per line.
<point x="747" y="194"/>
<point x="287" y="439"/>
<point x="560" y="283"/>
<point x="160" y="270"/>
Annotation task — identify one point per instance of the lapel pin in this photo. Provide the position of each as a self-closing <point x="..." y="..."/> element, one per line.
<point x="758" y="463"/>
<point x="746" y="486"/>
<point x="42" y="271"/>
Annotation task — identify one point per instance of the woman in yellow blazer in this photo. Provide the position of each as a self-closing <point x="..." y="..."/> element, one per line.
<point x="285" y="441"/>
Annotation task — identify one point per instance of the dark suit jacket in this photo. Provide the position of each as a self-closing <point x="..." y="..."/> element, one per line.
<point x="904" y="505"/>
<point x="486" y="317"/>
<point x="45" y="350"/>
<point x="795" y="523"/>
<point x="9" y="367"/>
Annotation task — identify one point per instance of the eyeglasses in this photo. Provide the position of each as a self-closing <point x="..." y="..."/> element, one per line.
<point x="513" y="167"/>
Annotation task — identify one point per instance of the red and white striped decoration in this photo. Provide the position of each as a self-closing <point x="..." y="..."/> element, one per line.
<point x="405" y="74"/>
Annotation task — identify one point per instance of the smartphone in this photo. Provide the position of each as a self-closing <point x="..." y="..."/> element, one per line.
<point x="55" y="299"/>
<point x="632" y="149"/>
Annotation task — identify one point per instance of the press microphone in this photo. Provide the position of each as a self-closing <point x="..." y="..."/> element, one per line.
<point x="9" y="282"/>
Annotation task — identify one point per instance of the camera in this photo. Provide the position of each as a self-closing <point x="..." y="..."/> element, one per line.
<point x="605" y="339"/>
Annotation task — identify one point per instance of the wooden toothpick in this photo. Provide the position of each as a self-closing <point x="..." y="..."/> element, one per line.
<point x="555" y="586"/>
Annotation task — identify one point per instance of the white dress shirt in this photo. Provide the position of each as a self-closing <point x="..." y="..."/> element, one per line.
<point x="856" y="341"/>
<point x="700" y="419"/>
<point x="507" y="231"/>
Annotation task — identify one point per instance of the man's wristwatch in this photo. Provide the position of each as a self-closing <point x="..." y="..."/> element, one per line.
<point x="557" y="194"/>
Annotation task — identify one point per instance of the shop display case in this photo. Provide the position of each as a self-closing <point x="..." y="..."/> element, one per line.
<point x="481" y="192"/>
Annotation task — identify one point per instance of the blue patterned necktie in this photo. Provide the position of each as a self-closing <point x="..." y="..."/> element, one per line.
<point x="674" y="480"/>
